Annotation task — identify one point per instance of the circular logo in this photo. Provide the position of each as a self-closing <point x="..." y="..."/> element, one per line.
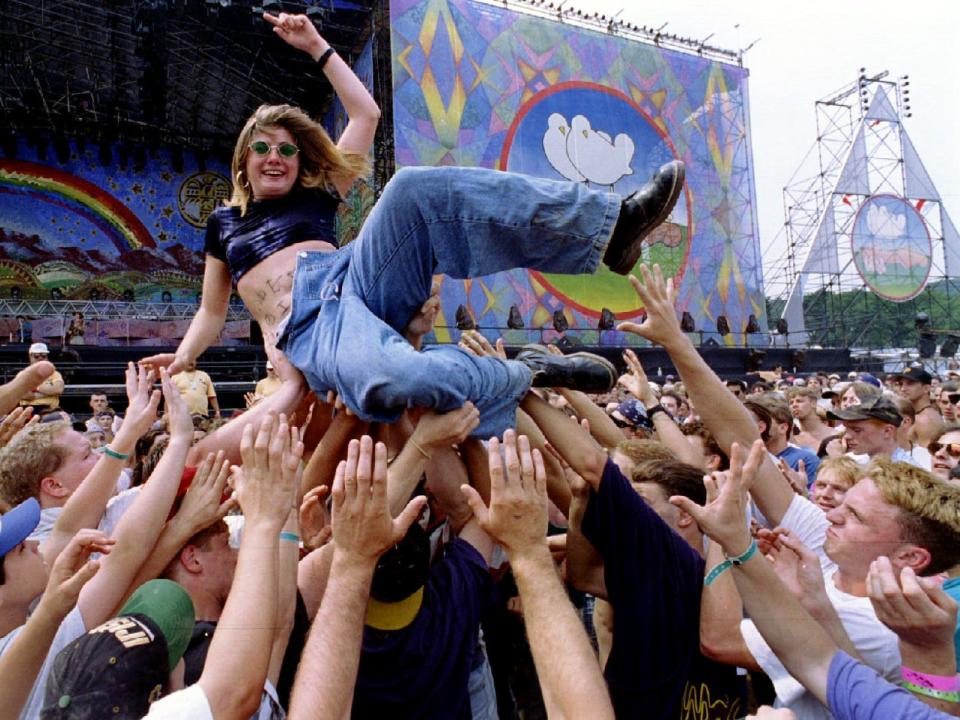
<point x="591" y="134"/>
<point x="891" y="247"/>
<point x="200" y="194"/>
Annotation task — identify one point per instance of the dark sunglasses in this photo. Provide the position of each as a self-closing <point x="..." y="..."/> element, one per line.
<point x="953" y="449"/>
<point x="285" y="149"/>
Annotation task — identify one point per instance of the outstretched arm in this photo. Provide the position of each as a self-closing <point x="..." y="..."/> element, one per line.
<point x="362" y="531"/>
<point x="22" y="661"/>
<point x="724" y="415"/>
<point x="140" y="526"/>
<point x="23" y="385"/>
<point x="517" y="518"/>
<point x="206" y="324"/>
<point x="577" y="447"/>
<point x="239" y="655"/>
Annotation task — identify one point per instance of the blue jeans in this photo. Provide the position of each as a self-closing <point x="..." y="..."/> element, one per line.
<point x="351" y="306"/>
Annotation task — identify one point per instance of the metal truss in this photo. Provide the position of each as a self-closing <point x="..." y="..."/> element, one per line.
<point x="110" y="310"/>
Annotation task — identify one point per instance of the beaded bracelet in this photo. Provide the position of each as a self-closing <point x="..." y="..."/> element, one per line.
<point x="730" y="562"/>
<point x="292" y="537"/>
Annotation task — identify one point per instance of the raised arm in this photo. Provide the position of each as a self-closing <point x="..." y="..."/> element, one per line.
<point x="517" y="518"/>
<point x="22" y="661"/>
<point x="577" y="447"/>
<point x="362" y="109"/>
<point x="23" y="384"/>
<point x="668" y="432"/>
<point x="141" y="524"/>
<point x="86" y="506"/>
<point x="206" y="325"/>
<point x="724" y="415"/>
<point x="239" y="654"/>
<point x="363" y="529"/>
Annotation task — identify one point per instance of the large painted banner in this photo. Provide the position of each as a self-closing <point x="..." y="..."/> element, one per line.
<point x="481" y="85"/>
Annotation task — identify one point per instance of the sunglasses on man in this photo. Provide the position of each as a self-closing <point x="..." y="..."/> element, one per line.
<point x="284" y="149"/>
<point x="953" y="449"/>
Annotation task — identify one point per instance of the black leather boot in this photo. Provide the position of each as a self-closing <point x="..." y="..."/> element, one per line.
<point x="579" y="371"/>
<point x="640" y="214"/>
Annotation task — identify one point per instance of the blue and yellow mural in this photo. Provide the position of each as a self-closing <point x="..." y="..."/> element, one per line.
<point x="480" y="85"/>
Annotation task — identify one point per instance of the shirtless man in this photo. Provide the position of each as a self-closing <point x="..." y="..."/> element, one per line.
<point x="913" y="383"/>
<point x="803" y="407"/>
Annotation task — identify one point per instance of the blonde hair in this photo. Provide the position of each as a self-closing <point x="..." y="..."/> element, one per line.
<point x="929" y="509"/>
<point x="320" y="159"/>
<point x="846" y="469"/>
<point x="33" y="454"/>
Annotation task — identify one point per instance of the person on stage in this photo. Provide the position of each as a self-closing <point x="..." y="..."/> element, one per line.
<point x="338" y="316"/>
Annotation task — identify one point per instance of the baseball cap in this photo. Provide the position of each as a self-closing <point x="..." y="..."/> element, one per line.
<point x="124" y="663"/>
<point x="634" y="413"/>
<point x="915" y="372"/>
<point x="396" y="591"/>
<point x="17" y="524"/>
<point x="879" y="408"/>
<point x="39" y="349"/>
<point x="869" y="379"/>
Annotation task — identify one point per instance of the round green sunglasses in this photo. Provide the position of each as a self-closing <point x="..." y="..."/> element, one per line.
<point x="287" y="150"/>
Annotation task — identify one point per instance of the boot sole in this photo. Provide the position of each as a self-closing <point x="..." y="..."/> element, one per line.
<point x="636" y="250"/>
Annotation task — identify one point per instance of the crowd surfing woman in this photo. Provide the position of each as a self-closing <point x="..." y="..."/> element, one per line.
<point x="339" y="315"/>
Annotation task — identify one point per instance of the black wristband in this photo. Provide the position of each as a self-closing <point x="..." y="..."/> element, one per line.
<point x="651" y="411"/>
<point x="322" y="60"/>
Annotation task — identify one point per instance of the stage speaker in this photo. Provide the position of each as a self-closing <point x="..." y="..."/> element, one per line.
<point x="723" y="327"/>
<point x="560" y="323"/>
<point x="608" y="321"/>
<point x="927" y="345"/>
<point x="782" y="326"/>
<point x="514" y="319"/>
<point x="753" y="325"/>
<point x="948" y="348"/>
<point x="464" y="319"/>
<point x="686" y="323"/>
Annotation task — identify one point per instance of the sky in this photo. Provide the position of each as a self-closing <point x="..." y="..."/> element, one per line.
<point x="808" y="50"/>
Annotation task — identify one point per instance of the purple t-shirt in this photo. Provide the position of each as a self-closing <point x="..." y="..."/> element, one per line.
<point x="856" y="692"/>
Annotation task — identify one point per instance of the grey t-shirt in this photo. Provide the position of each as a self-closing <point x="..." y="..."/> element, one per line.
<point x="70" y="629"/>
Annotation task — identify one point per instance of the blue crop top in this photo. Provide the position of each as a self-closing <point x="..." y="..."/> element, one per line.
<point x="269" y="226"/>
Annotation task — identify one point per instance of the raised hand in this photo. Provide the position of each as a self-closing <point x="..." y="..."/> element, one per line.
<point x="476" y="344"/>
<point x="142" y="404"/>
<point x="15" y="421"/>
<point x="723" y="517"/>
<point x="635" y="381"/>
<point x="915" y="608"/>
<point x="179" y="422"/>
<point x="451" y="428"/>
<point x="297" y="31"/>
<point x="203" y="503"/>
<point x="271" y="460"/>
<point x="171" y="361"/>
<point x="661" y="325"/>
<point x="73" y="568"/>
<point x="799" y="569"/>
<point x="517" y="516"/>
<point x="362" y="527"/>
<point x="797" y="478"/>
<point x="315" y="527"/>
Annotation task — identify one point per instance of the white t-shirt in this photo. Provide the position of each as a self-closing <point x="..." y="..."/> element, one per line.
<point x="192" y="704"/>
<point x="70" y="629"/>
<point x="876" y="644"/>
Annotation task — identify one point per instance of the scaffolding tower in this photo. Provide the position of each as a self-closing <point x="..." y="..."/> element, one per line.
<point x="866" y="243"/>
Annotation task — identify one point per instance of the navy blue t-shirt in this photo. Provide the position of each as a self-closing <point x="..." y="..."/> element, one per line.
<point x="654" y="579"/>
<point x="422" y="671"/>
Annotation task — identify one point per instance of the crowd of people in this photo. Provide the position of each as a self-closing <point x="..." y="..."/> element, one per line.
<point x="393" y="529"/>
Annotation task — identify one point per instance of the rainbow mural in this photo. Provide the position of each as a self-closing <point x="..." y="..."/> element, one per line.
<point x="480" y="85"/>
